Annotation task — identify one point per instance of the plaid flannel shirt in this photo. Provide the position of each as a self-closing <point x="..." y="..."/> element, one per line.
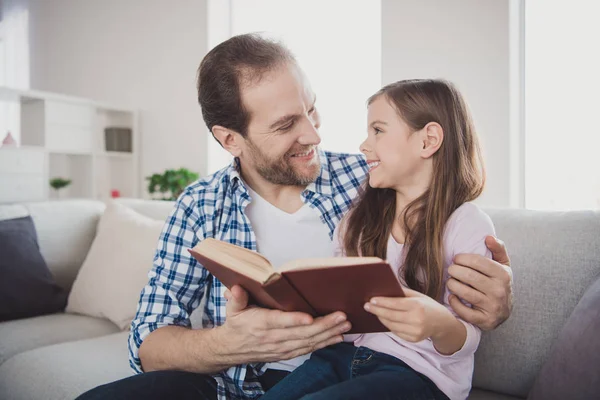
<point x="214" y="207"/>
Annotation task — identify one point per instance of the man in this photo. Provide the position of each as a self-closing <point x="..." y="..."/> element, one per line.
<point x="282" y="196"/>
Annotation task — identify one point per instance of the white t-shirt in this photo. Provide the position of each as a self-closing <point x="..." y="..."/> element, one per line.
<point x="282" y="237"/>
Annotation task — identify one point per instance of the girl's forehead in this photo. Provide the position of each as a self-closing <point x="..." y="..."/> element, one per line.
<point x="381" y="107"/>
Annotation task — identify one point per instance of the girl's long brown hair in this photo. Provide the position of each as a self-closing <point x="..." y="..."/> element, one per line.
<point x="458" y="177"/>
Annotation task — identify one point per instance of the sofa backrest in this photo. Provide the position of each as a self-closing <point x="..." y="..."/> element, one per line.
<point x="555" y="256"/>
<point x="156" y="209"/>
<point x="65" y="231"/>
<point x="67" y="228"/>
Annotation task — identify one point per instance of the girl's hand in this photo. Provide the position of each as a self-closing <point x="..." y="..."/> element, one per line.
<point x="414" y="318"/>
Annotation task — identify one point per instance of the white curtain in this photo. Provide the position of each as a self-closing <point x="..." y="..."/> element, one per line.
<point x="14" y="60"/>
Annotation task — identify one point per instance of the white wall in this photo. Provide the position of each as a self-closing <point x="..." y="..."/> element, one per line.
<point x="467" y="42"/>
<point x="136" y="53"/>
<point x="144" y="54"/>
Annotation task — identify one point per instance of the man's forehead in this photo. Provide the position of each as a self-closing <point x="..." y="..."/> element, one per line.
<point x="282" y="91"/>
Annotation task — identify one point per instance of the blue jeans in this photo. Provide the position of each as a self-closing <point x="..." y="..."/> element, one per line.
<point x="344" y="371"/>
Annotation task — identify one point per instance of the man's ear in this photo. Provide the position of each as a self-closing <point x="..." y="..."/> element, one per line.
<point x="228" y="139"/>
<point x="432" y="138"/>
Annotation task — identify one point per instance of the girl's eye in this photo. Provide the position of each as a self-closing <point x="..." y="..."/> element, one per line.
<point x="377" y="130"/>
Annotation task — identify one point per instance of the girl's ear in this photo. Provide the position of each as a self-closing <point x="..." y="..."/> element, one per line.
<point x="432" y="139"/>
<point x="228" y="139"/>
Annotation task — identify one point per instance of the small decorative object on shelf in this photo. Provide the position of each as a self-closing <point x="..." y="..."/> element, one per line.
<point x="118" y="139"/>
<point x="59" y="183"/>
<point x="115" y="193"/>
<point x="9" y="140"/>
<point x="171" y="183"/>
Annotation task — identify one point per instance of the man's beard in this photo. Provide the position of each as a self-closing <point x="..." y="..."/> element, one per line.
<point x="281" y="171"/>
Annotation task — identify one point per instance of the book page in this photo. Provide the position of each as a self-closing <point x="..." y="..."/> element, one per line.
<point x="240" y="259"/>
<point x="328" y="262"/>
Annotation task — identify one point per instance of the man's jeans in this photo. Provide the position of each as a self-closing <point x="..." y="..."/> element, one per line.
<point x="344" y="371"/>
<point x="167" y="385"/>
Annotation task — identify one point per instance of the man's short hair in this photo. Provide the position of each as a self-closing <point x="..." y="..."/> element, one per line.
<point x="238" y="61"/>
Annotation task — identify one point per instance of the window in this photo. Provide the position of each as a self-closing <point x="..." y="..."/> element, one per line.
<point x="562" y="102"/>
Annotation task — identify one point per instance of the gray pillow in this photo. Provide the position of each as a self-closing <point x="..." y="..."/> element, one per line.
<point x="573" y="369"/>
<point x="27" y="287"/>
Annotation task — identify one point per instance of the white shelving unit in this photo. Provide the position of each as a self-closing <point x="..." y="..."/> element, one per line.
<point x="64" y="136"/>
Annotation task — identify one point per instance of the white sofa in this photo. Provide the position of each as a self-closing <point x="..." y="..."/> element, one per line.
<point x="555" y="256"/>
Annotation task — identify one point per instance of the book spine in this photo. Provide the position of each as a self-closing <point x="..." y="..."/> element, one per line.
<point x="288" y="297"/>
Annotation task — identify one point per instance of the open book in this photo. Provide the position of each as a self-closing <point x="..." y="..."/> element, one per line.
<point x="317" y="286"/>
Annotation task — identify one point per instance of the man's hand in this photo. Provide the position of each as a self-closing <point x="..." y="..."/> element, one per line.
<point x="485" y="284"/>
<point x="253" y="334"/>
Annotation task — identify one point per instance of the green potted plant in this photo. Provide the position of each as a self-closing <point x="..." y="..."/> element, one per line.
<point x="171" y="183"/>
<point x="59" y="183"/>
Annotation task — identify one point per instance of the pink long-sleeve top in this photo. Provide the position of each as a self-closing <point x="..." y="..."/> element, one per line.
<point x="464" y="232"/>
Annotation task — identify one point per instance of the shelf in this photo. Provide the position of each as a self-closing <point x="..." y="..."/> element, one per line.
<point x="14" y="94"/>
<point x="116" y="154"/>
<point x="70" y="153"/>
<point x="22" y="147"/>
<point x="115" y="172"/>
<point x="76" y="167"/>
<point x="70" y="135"/>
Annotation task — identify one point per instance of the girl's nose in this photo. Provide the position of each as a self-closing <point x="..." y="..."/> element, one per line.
<point x="363" y="148"/>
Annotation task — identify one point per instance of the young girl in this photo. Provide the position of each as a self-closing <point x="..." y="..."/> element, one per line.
<point x="425" y="167"/>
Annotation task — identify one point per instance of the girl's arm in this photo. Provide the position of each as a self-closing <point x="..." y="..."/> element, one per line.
<point x="465" y="232"/>
<point x="450" y="337"/>
<point x="418" y="317"/>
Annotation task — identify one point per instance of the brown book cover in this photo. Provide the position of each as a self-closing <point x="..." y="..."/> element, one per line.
<point x="317" y="286"/>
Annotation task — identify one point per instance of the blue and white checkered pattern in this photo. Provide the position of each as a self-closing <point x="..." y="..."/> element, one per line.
<point x="214" y="207"/>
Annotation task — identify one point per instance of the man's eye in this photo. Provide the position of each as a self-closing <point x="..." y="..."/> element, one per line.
<point x="377" y="130"/>
<point x="312" y="110"/>
<point x="286" y="127"/>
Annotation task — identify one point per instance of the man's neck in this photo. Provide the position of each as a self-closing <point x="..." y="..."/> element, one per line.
<point x="285" y="197"/>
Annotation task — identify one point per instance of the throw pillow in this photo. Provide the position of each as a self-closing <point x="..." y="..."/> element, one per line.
<point x="571" y="371"/>
<point x="27" y="287"/>
<point x="116" y="268"/>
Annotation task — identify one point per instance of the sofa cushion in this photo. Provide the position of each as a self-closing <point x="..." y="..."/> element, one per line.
<point x="26" y="334"/>
<point x="116" y="268"/>
<point x="65" y="231"/>
<point x="27" y="287"/>
<point x="477" y="394"/>
<point x="155" y="209"/>
<point x="64" y="371"/>
<point x="555" y="256"/>
<point x="573" y="369"/>
<point x="67" y="228"/>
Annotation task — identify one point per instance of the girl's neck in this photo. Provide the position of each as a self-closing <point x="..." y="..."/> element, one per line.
<point x="405" y="196"/>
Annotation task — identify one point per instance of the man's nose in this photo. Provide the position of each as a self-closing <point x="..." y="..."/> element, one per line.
<point x="310" y="135"/>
